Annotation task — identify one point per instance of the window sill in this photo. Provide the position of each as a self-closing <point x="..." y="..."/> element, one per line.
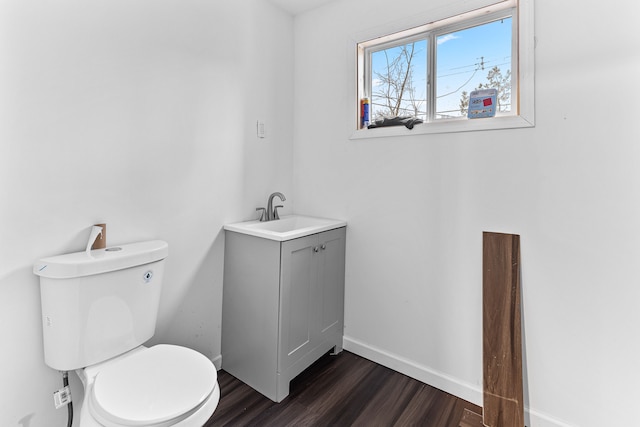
<point x="446" y="126"/>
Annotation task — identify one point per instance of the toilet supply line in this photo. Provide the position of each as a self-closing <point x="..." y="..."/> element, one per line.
<point x="62" y="397"/>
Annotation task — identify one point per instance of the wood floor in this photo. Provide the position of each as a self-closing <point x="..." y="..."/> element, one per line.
<point x="344" y="390"/>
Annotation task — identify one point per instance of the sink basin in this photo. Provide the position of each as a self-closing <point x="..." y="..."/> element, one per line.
<point x="286" y="228"/>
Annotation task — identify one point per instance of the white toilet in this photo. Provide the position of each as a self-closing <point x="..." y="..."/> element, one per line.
<point x="98" y="308"/>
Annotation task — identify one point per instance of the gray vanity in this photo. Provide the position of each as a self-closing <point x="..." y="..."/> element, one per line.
<point x="283" y="299"/>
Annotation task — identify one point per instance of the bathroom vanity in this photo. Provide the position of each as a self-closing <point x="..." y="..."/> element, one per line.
<point x="283" y="299"/>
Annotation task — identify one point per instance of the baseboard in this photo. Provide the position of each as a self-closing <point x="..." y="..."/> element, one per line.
<point x="422" y="373"/>
<point x="464" y="390"/>
<point x="217" y="361"/>
<point x="533" y="418"/>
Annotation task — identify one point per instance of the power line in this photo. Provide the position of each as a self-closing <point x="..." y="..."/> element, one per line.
<point x="463" y="85"/>
<point x="471" y="65"/>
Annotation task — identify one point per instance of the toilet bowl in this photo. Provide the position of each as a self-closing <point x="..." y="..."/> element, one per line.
<point x="160" y="386"/>
<point x="98" y="309"/>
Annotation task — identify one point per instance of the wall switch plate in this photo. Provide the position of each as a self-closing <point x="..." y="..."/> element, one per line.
<point x="261" y="129"/>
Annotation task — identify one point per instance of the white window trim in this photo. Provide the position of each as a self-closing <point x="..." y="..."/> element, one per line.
<point x="525" y="69"/>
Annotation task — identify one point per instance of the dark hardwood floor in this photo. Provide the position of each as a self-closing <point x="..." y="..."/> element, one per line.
<point x="344" y="390"/>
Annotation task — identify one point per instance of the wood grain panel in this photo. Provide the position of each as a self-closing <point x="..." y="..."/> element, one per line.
<point x="502" y="347"/>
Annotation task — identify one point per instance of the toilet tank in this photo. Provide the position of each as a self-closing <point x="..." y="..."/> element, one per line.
<point x="98" y="305"/>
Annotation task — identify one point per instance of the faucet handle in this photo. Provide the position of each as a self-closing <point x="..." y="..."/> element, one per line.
<point x="263" y="216"/>
<point x="275" y="212"/>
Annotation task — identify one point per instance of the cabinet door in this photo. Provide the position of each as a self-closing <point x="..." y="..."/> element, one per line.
<point x="298" y="275"/>
<point x="331" y="284"/>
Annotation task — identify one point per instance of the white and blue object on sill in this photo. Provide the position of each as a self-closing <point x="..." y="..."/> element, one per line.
<point x="482" y="103"/>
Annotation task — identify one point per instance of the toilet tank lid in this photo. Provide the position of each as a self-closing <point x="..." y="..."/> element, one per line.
<point x="99" y="261"/>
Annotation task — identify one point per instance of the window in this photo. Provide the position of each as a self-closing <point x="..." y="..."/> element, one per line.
<point x="398" y="83"/>
<point x="473" y="58"/>
<point x="428" y="72"/>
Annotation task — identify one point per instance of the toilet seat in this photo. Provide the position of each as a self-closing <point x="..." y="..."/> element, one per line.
<point x="158" y="386"/>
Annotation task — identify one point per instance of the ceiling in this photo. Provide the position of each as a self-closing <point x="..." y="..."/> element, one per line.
<point x="299" y="6"/>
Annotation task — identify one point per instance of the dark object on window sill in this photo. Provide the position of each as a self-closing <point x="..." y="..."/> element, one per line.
<point x="409" y="122"/>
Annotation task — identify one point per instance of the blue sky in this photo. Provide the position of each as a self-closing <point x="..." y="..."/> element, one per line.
<point x="463" y="60"/>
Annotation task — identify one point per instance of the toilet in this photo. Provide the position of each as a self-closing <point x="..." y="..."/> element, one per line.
<point x="98" y="309"/>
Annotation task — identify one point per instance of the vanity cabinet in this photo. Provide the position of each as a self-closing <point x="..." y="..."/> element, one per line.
<point x="283" y="306"/>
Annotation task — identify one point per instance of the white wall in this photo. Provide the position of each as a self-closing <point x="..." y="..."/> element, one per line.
<point x="417" y="206"/>
<point x="141" y="115"/>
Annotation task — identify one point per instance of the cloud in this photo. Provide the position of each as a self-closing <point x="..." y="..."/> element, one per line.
<point x="376" y="82"/>
<point x="446" y="38"/>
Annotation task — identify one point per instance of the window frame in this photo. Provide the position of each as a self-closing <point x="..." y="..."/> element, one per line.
<point x="468" y="15"/>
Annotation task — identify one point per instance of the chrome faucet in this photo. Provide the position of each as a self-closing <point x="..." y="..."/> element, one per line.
<point x="272" y="212"/>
